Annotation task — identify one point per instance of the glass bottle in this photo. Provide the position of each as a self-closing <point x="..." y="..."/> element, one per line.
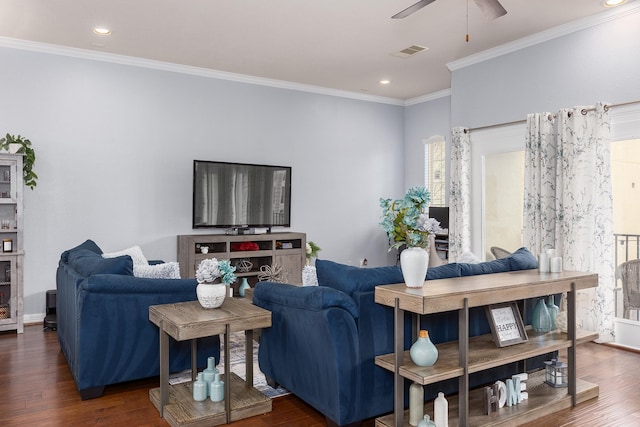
<point x="423" y="352"/>
<point x="553" y="311"/>
<point x="540" y="319"/>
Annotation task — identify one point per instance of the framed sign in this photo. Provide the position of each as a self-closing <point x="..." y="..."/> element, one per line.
<point x="506" y="324"/>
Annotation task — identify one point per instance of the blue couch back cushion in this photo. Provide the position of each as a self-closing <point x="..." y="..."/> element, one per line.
<point x="87" y="263"/>
<point x="89" y="245"/>
<point x="522" y="259"/>
<point x="315" y="298"/>
<point x="350" y="279"/>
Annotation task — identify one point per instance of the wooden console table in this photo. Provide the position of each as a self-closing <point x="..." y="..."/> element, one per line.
<point x="188" y="321"/>
<point x="466" y="356"/>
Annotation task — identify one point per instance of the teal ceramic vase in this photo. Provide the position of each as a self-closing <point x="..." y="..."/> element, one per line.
<point x="199" y="389"/>
<point x="243" y="286"/>
<point x="553" y="311"/>
<point x="540" y="318"/>
<point x="426" y="422"/>
<point x="423" y="352"/>
<point x="216" y="390"/>
<point x="209" y="374"/>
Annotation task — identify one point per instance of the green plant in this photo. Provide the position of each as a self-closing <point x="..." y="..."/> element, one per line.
<point x="29" y="159"/>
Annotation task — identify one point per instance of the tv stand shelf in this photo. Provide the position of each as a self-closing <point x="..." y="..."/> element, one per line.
<point x="285" y="249"/>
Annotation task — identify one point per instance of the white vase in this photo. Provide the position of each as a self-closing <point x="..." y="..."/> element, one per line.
<point x="414" y="263"/>
<point x="211" y="295"/>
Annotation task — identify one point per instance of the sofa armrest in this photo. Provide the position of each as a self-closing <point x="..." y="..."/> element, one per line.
<point x="312" y="348"/>
<point x="120" y="284"/>
<point x="314" y="298"/>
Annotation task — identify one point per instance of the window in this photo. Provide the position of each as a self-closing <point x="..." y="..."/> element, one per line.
<point x="434" y="170"/>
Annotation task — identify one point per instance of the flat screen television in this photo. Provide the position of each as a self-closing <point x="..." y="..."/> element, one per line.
<point x="240" y="195"/>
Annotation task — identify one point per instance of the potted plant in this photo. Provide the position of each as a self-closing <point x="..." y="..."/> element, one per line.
<point x="213" y="278"/>
<point x="29" y="159"/>
<point x="407" y="223"/>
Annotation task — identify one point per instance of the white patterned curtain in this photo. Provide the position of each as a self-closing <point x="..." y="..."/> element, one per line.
<point x="460" y="193"/>
<point x="540" y="183"/>
<point x="582" y="223"/>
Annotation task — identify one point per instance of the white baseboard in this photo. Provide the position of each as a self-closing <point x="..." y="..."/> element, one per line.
<point x="627" y="333"/>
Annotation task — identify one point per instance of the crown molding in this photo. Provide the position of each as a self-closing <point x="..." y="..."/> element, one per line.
<point x="544" y="36"/>
<point x="428" y="97"/>
<point x="185" y="69"/>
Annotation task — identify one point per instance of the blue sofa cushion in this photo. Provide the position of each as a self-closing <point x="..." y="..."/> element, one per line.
<point x="350" y="279"/>
<point x="522" y="259"/>
<point x="89" y="245"/>
<point x="496" y="266"/>
<point x="445" y="271"/>
<point x="87" y="263"/>
<point x="315" y="298"/>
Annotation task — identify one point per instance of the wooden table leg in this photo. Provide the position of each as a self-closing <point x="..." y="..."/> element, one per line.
<point x="164" y="369"/>
<point x="248" y="346"/>
<point x="227" y="369"/>
<point x="398" y="380"/>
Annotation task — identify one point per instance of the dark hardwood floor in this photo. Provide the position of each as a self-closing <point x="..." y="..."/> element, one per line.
<point x="36" y="389"/>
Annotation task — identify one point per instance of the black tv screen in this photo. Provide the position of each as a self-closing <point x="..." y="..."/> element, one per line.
<point x="239" y="195"/>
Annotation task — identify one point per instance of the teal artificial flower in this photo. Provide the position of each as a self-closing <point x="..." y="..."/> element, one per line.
<point x="406" y="221"/>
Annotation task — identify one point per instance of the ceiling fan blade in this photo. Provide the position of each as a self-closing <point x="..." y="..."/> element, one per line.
<point x="492" y="9"/>
<point x="411" y="9"/>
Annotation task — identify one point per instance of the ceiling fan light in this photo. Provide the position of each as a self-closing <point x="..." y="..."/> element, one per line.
<point x="613" y="3"/>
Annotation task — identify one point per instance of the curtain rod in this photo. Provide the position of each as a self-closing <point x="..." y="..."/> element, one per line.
<point x="467" y="130"/>
<point x="607" y="106"/>
<point x="583" y="111"/>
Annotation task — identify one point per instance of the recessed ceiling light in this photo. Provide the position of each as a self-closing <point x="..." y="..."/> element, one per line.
<point x="102" y="31"/>
<point x="613" y="3"/>
<point x="385" y="82"/>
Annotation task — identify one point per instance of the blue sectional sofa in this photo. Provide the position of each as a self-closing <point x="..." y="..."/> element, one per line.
<point x="103" y="320"/>
<point x="323" y="339"/>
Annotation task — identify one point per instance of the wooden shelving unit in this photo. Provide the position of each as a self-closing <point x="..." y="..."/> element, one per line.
<point x="468" y="355"/>
<point x="285" y="249"/>
<point x="11" y="249"/>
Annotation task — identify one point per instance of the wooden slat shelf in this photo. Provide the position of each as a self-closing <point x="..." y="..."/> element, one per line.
<point x="182" y="410"/>
<point x="543" y="400"/>
<point x="483" y="354"/>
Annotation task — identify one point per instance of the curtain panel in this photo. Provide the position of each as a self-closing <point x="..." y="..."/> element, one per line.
<point x="460" y="193"/>
<point x="568" y="202"/>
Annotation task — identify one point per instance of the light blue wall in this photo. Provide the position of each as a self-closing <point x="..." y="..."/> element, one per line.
<point x="115" y="146"/>
<point x="600" y="63"/>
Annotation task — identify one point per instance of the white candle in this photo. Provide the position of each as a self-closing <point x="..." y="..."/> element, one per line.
<point x="543" y="263"/>
<point x="556" y="264"/>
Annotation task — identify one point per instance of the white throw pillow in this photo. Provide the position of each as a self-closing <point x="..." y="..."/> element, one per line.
<point x="167" y="270"/>
<point x="468" y="257"/>
<point x="134" y="252"/>
<point x="309" y="276"/>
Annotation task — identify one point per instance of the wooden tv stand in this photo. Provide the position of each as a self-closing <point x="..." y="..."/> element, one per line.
<point x="286" y="249"/>
<point x="465" y="356"/>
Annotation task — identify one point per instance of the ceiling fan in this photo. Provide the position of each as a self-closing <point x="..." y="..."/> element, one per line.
<point x="491" y="8"/>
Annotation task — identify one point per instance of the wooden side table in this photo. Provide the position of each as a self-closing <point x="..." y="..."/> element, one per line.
<point x="189" y="321"/>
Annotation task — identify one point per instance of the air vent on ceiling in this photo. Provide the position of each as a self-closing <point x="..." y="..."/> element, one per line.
<point x="409" y="51"/>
